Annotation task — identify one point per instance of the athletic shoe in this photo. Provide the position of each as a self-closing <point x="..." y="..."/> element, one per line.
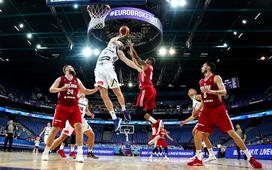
<point x="80" y="158"/>
<point x="210" y="158"/>
<point x="195" y="162"/>
<point x="127" y="116"/>
<point x="91" y="155"/>
<point x="117" y="122"/>
<point x="254" y="163"/>
<point x="61" y="153"/>
<point x="166" y="158"/>
<point x="45" y="156"/>
<point x="73" y="155"/>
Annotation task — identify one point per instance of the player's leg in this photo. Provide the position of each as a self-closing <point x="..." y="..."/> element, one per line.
<point x="154" y="140"/>
<point x="155" y="150"/>
<point x="72" y="146"/>
<point x="121" y="99"/>
<point x="90" y="142"/>
<point x="209" y="147"/>
<point x="224" y="123"/>
<point x="165" y="152"/>
<point x="49" y="142"/>
<point x="107" y="101"/>
<point x="57" y="142"/>
<point x="37" y="150"/>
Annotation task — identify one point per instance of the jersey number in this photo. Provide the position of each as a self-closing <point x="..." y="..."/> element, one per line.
<point x="70" y="91"/>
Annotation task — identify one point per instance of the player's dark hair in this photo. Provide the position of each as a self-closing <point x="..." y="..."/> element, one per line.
<point x="211" y="65"/>
<point x="152" y="59"/>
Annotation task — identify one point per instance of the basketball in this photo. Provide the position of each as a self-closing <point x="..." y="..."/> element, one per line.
<point x="124" y="30"/>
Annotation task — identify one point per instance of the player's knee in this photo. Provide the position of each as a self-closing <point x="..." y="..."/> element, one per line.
<point x="232" y="133"/>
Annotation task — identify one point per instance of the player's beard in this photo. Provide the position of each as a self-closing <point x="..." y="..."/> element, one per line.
<point x="72" y="72"/>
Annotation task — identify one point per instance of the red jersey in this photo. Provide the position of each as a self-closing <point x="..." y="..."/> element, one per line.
<point x="162" y="133"/>
<point x="68" y="97"/>
<point x="146" y="78"/>
<point x="210" y="100"/>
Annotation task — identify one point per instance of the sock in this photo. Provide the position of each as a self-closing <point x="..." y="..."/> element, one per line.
<point x="72" y="148"/>
<point x="199" y="154"/>
<point x="90" y="150"/>
<point x="247" y="153"/>
<point x="46" y="149"/>
<point x="113" y="115"/>
<point x="210" y="152"/>
<point x="152" y="120"/>
<point x="79" y="150"/>
<point x="123" y="107"/>
<point x="61" y="147"/>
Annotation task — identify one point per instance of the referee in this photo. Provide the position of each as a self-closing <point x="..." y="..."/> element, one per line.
<point x="9" y="134"/>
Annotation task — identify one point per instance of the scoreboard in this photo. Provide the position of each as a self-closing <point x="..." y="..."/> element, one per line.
<point x="232" y="83"/>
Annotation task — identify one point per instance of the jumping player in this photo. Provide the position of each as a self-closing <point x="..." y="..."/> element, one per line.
<point x="69" y="130"/>
<point x="196" y="99"/>
<point x="106" y="77"/>
<point x="67" y="87"/>
<point x="214" y="113"/>
<point x="46" y="131"/>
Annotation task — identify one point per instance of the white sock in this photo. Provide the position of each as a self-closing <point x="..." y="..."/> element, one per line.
<point x="79" y="150"/>
<point x="199" y="154"/>
<point x="46" y="149"/>
<point x="61" y="147"/>
<point x="152" y="120"/>
<point x="90" y="150"/>
<point x="113" y="115"/>
<point x="72" y="148"/>
<point x="123" y="107"/>
<point x="210" y="152"/>
<point x="247" y="153"/>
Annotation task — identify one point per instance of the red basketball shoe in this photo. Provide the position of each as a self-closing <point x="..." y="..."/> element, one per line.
<point x="61" y="153"/>
<point x="254" y="163"/>
<point x="195" y="162"/>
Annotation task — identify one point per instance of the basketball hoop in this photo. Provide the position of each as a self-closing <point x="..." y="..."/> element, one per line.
<point x="98" y="14"/>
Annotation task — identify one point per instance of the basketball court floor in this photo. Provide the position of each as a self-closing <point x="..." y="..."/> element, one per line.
<point x="25" y="160"/>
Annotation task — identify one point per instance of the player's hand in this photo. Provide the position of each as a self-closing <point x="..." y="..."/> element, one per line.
<point x="130" y="43"/>
<point x="92" y="115"/>
<point x="65" y="87"/>
<point x="181" y="123"/>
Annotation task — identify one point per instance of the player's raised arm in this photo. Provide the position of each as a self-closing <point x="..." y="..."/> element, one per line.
<point x="128" y="62"/>
<point x="42" y="131"/>
<point x="84" y="90"/>
<point x="135" y="56"/>
<point x="55" y="86"/>
<point x="169" y="136"/>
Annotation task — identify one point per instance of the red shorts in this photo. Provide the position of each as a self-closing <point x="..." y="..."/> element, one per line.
<point x="217" y="116"/>
<point x="64" y="113"/>
<point x="162" y="143"/>
<point x="147" y="97"/>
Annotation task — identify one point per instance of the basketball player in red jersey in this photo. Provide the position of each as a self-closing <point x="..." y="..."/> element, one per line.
<point x="146" y="102"/>
<point x="214" y="113"/>
<point x="67" y="87"/>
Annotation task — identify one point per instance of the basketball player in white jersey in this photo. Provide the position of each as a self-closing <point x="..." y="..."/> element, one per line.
<point x="46" y="130"/>
<point x="106" y="77"/>
<point x="196" y="99"/>
<point x="87" y="130"/>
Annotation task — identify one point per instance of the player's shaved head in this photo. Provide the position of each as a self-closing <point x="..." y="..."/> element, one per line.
<point x="192" y="92"/>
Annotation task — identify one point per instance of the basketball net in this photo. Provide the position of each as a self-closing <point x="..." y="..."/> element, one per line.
<point x="126" y="131"/>
<point x="98" y="14"/>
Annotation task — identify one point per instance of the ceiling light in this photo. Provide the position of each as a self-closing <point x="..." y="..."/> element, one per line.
<point x="38" y="46"/>
<point x="21" y="25"/>
<point x="29" y="35"/>
<point x="235" y="33"/>
<point x="257" y="16"/>
<point x="262" y="58"/>
<point x="130" y="84"/>
<point x="1" y="10"/>
<point x="75" y="6"/>
<point x="177" y="3"/>
<point x="87" y="52"/>
<point x="29" y="42"/>
<point x="1" y="1"/>
<point x="240" y="35"/>
<point x="172" y="51"/>
<point x="244" y="21"/>
<point x="162" y="51"/>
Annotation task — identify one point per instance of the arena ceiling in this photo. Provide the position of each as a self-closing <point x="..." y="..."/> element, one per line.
<point x="203" y="30"/>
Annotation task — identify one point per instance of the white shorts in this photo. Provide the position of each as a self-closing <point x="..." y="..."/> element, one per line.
<point x="106" y="78"/>
<point x="45" y="138"/>
<point x="68" y="130"/>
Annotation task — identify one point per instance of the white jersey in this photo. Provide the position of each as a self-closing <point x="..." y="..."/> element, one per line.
<point x="107" y="57"/>
<point x="47" y="131"/>
<point x="83" y="104"/>
<point x="37" y="143"/>
<point x="196" y="104"/>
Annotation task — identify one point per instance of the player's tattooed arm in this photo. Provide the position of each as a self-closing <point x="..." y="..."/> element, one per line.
<point x="128" y="62"/>
<point x="84" y="90"/>
<point x="55" y="86"/>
